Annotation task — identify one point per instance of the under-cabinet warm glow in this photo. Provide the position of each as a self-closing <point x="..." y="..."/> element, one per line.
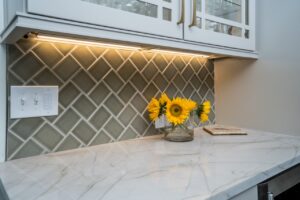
<point x="84" y="42"/>
<point x="48" y="38"/>
<point x="179" y="53"/>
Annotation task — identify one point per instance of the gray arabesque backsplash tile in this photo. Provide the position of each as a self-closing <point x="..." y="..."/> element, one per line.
<point x="103" y="93"/>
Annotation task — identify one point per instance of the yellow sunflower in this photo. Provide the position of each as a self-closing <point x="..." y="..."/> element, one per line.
<point x="190" y="105"/>
<point x="153" y="109"/>
<point x="164" y="99"/>
<point x="207" y="104"/>
<point x="203" y="117"/>
<point x="177" y="112"/>
<point x="206" y="107"/>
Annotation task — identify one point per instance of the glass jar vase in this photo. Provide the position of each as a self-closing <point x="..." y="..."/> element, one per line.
<point x="178" y="134"/>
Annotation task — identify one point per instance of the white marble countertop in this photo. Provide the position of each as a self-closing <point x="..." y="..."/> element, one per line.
<point x="210" y="167"/>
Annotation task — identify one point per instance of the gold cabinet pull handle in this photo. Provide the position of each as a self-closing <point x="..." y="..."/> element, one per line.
<point x="194" y="14"/>
<point x="181" y="20"/>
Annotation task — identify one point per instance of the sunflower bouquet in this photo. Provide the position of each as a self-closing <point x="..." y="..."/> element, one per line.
<point x="177" y="110"/>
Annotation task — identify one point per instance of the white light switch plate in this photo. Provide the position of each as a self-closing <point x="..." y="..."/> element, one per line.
<point x="33" y="101"/>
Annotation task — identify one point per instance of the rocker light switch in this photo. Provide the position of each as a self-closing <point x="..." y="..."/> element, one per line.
<point x="33" y="101"/>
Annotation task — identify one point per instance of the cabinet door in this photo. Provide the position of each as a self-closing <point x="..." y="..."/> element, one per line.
<point x="229" y="23"/>
<point x="157" y="17"/>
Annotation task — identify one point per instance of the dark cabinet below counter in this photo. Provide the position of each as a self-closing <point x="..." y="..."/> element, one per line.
<point x="283" y="186"/>
<point x="292" y="193"/>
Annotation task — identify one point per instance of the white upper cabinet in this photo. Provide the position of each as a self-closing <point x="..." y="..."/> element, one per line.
<point x="158" y="17"/>
<point x="215" y="27"/>
<point x="229" y="23"/>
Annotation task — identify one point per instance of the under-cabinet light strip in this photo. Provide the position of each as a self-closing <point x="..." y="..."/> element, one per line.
<point x="84" y="42"/>
<point x="47" y="38"/>
<point x="179" y="53"/>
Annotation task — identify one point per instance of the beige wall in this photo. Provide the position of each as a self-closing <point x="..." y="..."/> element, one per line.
<point x="265" y="94"/>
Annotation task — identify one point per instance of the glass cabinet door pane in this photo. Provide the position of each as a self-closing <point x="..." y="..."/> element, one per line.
<point x="198" y="22"/>
<point x="226" y="9"/>
<point x="199" y="5"/>
<point x="223" y="28"/>
<point x="247" y="34"/>
<point x="198" y="17"/>
<point x="167" y="14"/>
<point x="228" y="23"/>
<point x="247" y="12"/>
<point x="134" y="6"/>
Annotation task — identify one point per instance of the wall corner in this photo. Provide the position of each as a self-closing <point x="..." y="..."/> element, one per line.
<point x="3" y="96"/>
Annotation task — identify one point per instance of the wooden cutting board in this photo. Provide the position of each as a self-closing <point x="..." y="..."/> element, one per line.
<point x="224" y="130"/>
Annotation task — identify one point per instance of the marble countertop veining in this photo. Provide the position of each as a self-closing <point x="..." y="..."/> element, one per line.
<point x="210" y="167"/>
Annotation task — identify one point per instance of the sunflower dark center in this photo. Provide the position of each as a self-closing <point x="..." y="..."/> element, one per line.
<point x="175" y="110"/>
